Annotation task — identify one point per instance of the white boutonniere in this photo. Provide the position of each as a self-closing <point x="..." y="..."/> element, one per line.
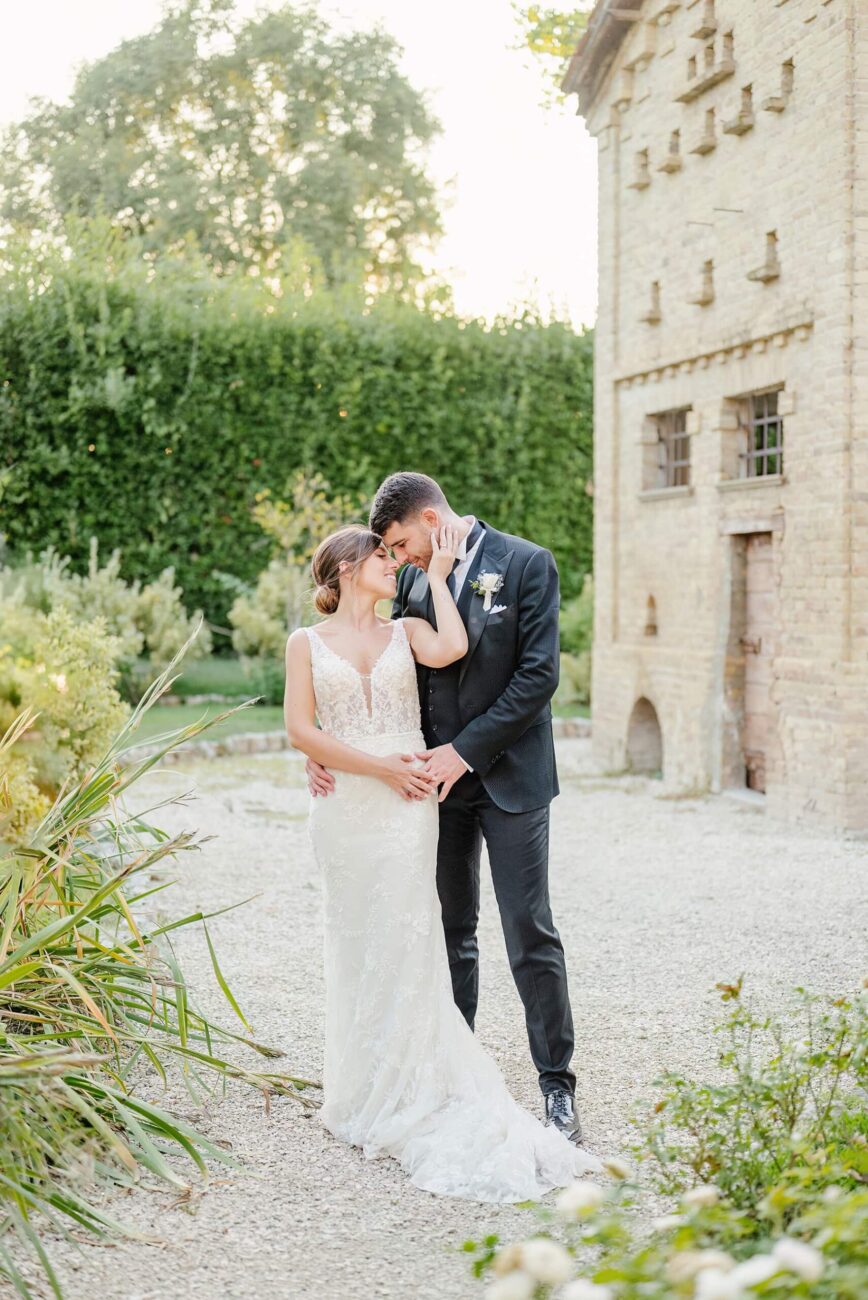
<point x="487" y="585"/>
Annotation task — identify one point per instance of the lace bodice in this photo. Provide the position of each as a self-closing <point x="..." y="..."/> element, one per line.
<point x="351" y="705"/>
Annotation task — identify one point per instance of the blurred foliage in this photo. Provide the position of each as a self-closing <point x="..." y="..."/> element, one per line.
<point x="146" y="619"/>
<point x="577" y="634"/>
<point x="90" y="986"/>
<point x="577" y="620"/>
<point x="552" y="35"/>
<point x="64" y="674"/>
<point x="263" y="616"/>
<point x="151" y="406"/>
<point x="280" y="600"/>
<point x="268" y="141"/>
<point x="768" y="1165"/>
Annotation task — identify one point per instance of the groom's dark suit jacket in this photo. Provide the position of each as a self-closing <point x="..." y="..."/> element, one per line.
<point x="494" y="704"/>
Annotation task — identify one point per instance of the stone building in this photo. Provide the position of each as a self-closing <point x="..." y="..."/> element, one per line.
<point x="731" y="476"/>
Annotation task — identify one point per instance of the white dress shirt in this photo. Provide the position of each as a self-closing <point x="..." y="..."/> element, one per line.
<point x="465" y="557"/>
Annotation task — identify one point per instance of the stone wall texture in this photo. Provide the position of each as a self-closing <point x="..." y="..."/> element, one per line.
<point x="733" y="259"/>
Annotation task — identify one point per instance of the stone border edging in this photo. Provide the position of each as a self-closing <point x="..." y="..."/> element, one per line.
<point x="275" y="742"/>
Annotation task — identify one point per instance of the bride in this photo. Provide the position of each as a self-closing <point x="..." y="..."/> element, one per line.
<point x="404" y="1075"/>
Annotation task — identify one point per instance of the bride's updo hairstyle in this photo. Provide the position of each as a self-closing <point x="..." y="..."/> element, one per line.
<point x="350" y="546"/>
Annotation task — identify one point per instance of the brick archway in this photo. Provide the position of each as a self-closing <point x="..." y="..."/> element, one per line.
<point x="644" y="739"/>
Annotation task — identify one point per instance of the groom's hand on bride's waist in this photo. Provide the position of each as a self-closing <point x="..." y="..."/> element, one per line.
<point x="445" y="765"/>
<point x="319" y="778"/>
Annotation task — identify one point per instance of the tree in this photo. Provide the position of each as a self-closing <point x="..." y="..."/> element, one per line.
<point x="254" y="138"/>
<point x="552" y="34"/>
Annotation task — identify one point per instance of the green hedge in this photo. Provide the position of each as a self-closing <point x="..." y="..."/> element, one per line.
<point x="150" y="415"/>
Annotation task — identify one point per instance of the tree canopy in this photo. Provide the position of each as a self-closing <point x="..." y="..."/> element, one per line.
<point x="253" y="138"/>
<point x="552" y="34"/>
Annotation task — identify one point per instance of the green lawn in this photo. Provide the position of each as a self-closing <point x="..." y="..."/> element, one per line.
<point x="571" y="710"/>
<point x="259" y="717"/>
<point x="169" y="717"/>
<point x="225" y="676"/>
<point x="217" y="675"/>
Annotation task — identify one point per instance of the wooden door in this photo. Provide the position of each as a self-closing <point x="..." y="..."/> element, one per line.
<point x="758" y="645"/>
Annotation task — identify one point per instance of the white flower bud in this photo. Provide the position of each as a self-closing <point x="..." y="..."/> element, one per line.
<point x="546" y="1261"/>
<point x="714" y="1284"/>
<point x="799" y="1258"/>
<point x="582" y="1289"/>
<point x="686" y="1264"/>
<point x="757" y="1269"/>
<point x="702" y="1197"/>
<point x="617" y="1168"/>
<point x="506" y="1259"/>
<point x="579" y="1201"/>
<point x="514" y="1286"/>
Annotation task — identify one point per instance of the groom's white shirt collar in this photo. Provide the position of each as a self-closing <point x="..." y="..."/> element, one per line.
<point x="465" y="557"/>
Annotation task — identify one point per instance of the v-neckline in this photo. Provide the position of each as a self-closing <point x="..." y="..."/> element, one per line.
<point x="363" y="676"/>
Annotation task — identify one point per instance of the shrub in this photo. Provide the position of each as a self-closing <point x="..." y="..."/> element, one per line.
<point x="149" y="406"/>
<point x="577" y="620"/>
<point x="62" y="673"/>
<point x="768" y="1168"/>
<point x="87" y="991"/>
<point x="281" y="599"/>
<point x="144" y="618"/>
<point x="574" y="686"/>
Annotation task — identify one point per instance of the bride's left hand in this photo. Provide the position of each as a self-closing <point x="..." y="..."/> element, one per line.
<point x="444" y="550"/>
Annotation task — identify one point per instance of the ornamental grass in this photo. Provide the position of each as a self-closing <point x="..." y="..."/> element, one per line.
<point x="95" y="1006"/>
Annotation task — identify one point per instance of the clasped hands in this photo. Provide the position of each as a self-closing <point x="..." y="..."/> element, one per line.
<point x="443" y="767"/>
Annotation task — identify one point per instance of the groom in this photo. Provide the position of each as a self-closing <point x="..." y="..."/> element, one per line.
<point x="487" y="724"/>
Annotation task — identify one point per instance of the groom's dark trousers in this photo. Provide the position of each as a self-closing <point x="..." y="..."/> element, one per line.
<point x="494" y="706"/>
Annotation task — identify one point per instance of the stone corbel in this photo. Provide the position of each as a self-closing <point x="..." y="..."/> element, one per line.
<point x="653" y="315"/>
<point x="705" y="295"/>
<point x="744" y="118"/>
<point x="777" y="103"/>
<point x="707" y="23"/>
<point x="771" y="267"/>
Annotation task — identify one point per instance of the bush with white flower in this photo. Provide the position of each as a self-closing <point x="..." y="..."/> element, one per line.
<point x="767" y="1172"/>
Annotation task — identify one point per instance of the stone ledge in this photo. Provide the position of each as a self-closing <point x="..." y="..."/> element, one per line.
<point x="659" y="494"/>
<point x="760" y="480"/>
<point x="246" y="742"/>
<point x="736" y="347"/>
<point x="275" y="742"/>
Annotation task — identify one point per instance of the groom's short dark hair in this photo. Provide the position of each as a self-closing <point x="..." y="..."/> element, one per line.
<point x="403" y="496"/>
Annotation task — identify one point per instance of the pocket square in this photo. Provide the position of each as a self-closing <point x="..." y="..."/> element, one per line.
<point x="497" y="609"/>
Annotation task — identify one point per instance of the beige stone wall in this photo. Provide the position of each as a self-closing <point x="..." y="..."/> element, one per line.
<point x="800" y="173"/>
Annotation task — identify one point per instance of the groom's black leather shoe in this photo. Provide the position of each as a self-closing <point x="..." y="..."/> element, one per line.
<point x="561" y="1113"/>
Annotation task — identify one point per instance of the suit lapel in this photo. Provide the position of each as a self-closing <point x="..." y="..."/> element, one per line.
<point x="419" y="596"/>
<point x="492" y="557"/>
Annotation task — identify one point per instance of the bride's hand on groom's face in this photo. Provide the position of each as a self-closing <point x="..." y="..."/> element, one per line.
<point x="444" y="549"/>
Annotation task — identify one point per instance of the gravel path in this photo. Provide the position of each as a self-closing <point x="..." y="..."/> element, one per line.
<point x="655" y="898"/>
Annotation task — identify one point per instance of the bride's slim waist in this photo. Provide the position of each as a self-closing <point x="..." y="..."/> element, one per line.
<point x="386" y="742"/>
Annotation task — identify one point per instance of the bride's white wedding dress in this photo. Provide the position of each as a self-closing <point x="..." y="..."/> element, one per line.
<point x="404" y="1075"/>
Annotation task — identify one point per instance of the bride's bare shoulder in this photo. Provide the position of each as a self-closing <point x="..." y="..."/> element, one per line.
<point x="298" y="646"/>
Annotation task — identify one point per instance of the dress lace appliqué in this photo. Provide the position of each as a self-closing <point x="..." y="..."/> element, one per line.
<point x="404" y="1075"/>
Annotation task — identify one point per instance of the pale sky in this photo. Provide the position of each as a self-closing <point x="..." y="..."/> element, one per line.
<point x="520" y="216"/>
